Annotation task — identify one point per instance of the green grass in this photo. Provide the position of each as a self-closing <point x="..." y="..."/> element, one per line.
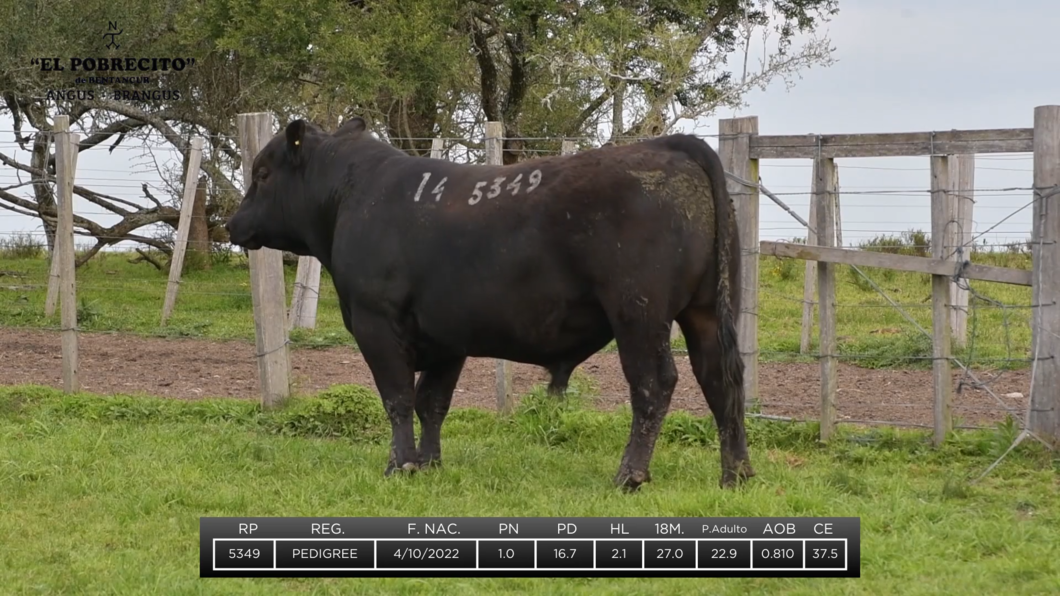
<point x="102" y="494"/>
<point x="115" y="295"/>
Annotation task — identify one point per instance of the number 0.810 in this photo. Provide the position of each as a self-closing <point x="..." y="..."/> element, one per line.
<point x="778" y="553"/>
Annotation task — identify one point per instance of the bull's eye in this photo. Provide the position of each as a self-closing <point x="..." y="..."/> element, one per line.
<point x="263" y="174"/>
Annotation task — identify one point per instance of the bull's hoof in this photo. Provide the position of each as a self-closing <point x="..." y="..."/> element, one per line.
<point x="406" y="468"/>
<point x="731" y="477"/>
<point x="430" y="461"/>
<point x="631" y="480"/>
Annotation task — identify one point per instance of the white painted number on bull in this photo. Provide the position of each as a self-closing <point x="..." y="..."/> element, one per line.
<point x="419" y="191"/>
<point x="535" y="179"/>
<point x="514" y="184"/>
<point x="438" y="190"/>
<point x="476" y="194"/>
<point x="496" y="188"/>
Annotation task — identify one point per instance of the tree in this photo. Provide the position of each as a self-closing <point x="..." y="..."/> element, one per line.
<point x="34" y="92"/>
<point x="597" y="70"/>
<point x="545" y="68"/>
<point x="566" y="68"/>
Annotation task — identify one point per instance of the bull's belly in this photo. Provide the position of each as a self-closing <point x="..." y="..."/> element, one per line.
<point x="518" y="331"/>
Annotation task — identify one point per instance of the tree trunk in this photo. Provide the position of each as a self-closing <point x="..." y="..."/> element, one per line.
<point x="617" y="106"/>
<point x="43" y="191"/>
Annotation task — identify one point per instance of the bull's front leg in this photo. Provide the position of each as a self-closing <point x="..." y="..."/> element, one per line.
<point x="390" y="361"/>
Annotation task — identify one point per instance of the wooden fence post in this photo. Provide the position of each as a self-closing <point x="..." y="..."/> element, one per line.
<point x="306" y="294"/>
<point x="809" y="281"/>
<point x="187" y="204"/>
<point x="197" y="255"/>
<point x="838" y="212"/>
<point x="267" y="287"/>
<point x="825" y="182"/>
<point x="962" y="178"/>
<point x="495" y="157"/>
<point x="1044" y="415"/>
<point x="734" y="148"/>
<point x="941" y="218"/>
<point x="65" y="166"/>
<point x="437" y="148"/>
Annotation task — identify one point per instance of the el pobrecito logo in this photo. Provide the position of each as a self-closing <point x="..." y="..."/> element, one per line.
<point x="112" y="44"/>
<point x="127" y="70"/>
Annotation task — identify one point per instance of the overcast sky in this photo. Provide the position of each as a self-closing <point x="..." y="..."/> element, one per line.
<point x="903" y="66"/>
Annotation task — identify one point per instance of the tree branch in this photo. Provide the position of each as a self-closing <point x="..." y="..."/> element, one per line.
<point x="166" y="131"/>
<point x="117" y="128"/>
<point x="81" y="191"/>
<point x="487" y="71"/>
<point x="588" y="111"/>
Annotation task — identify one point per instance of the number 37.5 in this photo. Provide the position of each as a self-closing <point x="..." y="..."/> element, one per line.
<point x="495" y="188"/>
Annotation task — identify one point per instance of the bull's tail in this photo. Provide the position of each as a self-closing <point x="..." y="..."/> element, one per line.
<point x="726" y="236"/>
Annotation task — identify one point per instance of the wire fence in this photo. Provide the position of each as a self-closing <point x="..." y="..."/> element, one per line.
<point x="885" y="376"/>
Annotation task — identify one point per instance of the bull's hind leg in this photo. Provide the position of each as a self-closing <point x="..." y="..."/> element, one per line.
<point x="726" y="400"/>
<point x="434" y="394"/>
<point x="561" y="371"/>
<point x="648" y="364"/>
<point x="560" y="377"/>
<point x="390" y="361"/>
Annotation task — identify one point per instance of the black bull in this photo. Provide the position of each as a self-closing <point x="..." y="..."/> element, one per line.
<point x="542" y="262"/>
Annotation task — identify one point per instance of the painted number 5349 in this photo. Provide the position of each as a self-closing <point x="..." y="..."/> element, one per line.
<point x="497" y="186"/>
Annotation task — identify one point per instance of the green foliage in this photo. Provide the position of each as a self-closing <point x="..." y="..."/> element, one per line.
<point x="87" y="312"/>
<point x="21" y="246"/>
<point x="909" y="349"/>
<point x="418" y="68"/>
<point x="915" y="243"/>
<point x="554" y="421"/>
<point x="784" y="269"/>
<point x="349" y="411"/>
<point x="682" y="428"/>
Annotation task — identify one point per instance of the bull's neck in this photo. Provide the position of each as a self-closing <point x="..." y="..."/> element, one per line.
<point x="345" y="172"/>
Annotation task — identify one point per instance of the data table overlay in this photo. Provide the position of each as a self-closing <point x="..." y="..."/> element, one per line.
<point x="530" y="547"/>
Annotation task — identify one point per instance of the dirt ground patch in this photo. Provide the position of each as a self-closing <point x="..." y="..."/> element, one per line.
<point x="193" y="369"/>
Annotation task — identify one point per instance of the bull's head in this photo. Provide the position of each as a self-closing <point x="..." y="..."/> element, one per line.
<point x="282" y="204"/>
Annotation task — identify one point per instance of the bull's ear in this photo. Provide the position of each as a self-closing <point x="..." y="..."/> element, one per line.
<point x="295" y="134"/>
<point x="352" y="126"/>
